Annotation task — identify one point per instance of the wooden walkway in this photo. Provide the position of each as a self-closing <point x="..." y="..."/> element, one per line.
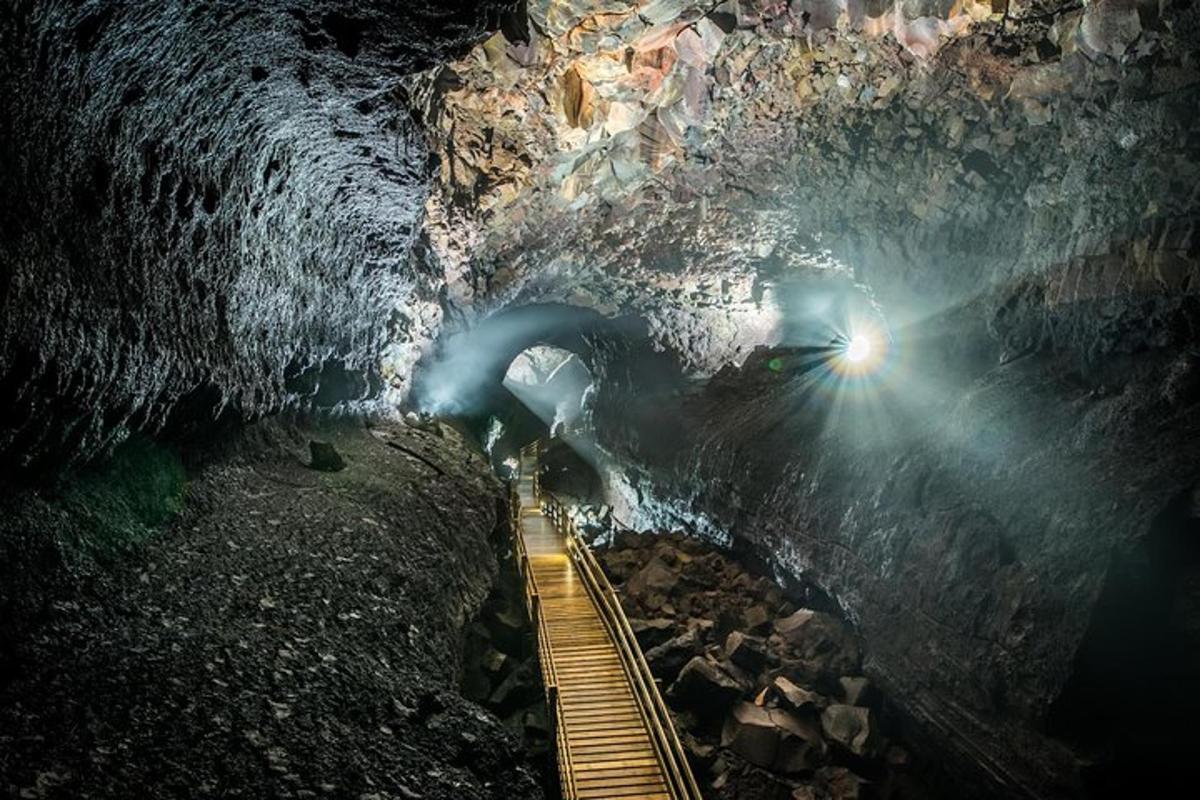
<point x="613" y="734"/>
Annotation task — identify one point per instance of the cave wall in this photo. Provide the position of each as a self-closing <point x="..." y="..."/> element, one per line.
<point x="1013" y="193"/>
<point x="207" y="205"/>
<point x="975" y="520"/>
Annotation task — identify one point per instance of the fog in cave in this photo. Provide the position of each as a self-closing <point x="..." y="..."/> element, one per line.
<point x="738" y="400"/>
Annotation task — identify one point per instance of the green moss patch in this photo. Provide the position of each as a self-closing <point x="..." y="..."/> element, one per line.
<point x="117" y="505"/>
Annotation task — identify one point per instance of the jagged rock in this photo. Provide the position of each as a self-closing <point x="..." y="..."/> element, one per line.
<point x="820" y="643"/>
<point x="494" y="661"/>
<point x="325" y="457"/>
<point x="755" y="618"/>
<point x="704" y="686"/>
<point x="669" y="658"/>
<point x="534" y="721"/>
<point x="1110" y="26"/>
<point x="748" y="652"/>
<point x="520" y="689"/>
<point x="858" y="691"/>
<point x="772" y="739"/>
<point x="700" y="752"/>
<point x="842" y="784"/>
<point x="620" y="561"/>
<point x="650" y="633"/>
<point x="791" y="627"/>
<point x="795" y="697"/>
<point x="507" y="628"/>
<point x="851" y="727"/>
<point x="654" y="579"/>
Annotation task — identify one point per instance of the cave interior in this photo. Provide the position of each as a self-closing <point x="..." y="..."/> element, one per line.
<point x="857" y="340"/>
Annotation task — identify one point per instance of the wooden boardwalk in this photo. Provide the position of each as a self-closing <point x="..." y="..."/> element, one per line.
<point x="609" y="725"/>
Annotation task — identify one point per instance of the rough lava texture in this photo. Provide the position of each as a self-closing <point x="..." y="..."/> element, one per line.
<point x="216" y="205"/>
<point x="294" y="634"/>
<point x="207" y="205"/>
<point x="690" y="161"/>
<point x="1007" y="189"/>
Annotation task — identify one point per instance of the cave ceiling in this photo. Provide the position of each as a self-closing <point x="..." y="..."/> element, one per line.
<point x="684" y="160"/>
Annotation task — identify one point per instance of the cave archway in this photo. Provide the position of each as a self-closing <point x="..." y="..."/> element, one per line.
<point x="475" y="375"/>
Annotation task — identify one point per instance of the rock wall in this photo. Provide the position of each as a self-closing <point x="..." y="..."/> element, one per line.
<point x="208" y="205"/>
<point x="684" y="162"/>
<point x="1008" y="188"/>
<point x="981" y="531"/>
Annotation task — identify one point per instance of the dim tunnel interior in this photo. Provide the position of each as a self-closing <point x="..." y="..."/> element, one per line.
<point x="853" y="345"/>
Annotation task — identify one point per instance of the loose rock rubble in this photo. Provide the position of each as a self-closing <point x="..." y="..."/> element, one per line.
<point x="769" y="695"/>
<point x="294" y="634"/>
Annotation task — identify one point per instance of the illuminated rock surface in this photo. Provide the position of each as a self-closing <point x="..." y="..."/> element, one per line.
<point x="223" y="210"/>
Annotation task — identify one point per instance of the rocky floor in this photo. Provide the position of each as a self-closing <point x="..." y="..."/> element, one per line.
<point x="501" y="671"/>
<point x="294" y="634"/>
<point x="768" y="695"/>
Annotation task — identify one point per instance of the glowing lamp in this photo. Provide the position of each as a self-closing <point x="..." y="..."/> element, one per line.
<point x="858" y="349"/>
<point x="862" y="352"/>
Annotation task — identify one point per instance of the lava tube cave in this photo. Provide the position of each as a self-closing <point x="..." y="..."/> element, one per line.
<point x="599" y="399"/>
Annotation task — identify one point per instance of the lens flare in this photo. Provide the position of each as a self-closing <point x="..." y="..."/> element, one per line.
<point x="859" y="349"/>
<point x="863" y="351"/>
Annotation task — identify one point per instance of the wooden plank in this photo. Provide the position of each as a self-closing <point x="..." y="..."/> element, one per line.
<point x="603" y="738"/>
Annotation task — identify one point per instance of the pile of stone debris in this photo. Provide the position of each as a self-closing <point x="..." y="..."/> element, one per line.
<point x="768" y="697"/>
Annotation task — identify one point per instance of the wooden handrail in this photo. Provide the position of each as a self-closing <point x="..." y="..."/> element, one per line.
<point x="669" y="750"/>
<point x="533" y="605"/>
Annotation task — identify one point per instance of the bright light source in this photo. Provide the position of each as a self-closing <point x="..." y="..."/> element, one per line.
<point x="859" y="349"/>
<point x="862" y="352"/>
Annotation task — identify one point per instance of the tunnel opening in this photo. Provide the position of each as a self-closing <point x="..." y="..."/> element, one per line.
<point x="533" y="372"/>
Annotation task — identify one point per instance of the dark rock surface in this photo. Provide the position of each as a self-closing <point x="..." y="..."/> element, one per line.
<point x="324" y="457"/>
<point x="761" y="717"/>
<point x="293" y="634"/>
<point x="999" y="537"/>
<point x="208" y="205"/>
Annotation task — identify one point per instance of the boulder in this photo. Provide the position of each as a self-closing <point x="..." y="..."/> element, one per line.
<point x="1110" y="26"/>
<point x="507" y="628"/>
<point x="820" y="642"/>
<point x="699" y="752"/>
<point x="851" y="728"/>
<point x="650" y="633"/>
<point x="705" y="687"/>
<point x="668" y="658"/>
<point x="842" y="784"/>
<point x="522" y="688"/>
<point x="494" y="662"/>
<point x="791" y="627"/>
<point x="756" y="617"/>
<point x="656" y="578"/>
<point x="772" y="739"/>
<point x="748" y="652"/>
<point x="858" y="691"/>
<point x="325" y="457"/>
<point x="794" y="697"/>
<point x="620" y="563"/>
